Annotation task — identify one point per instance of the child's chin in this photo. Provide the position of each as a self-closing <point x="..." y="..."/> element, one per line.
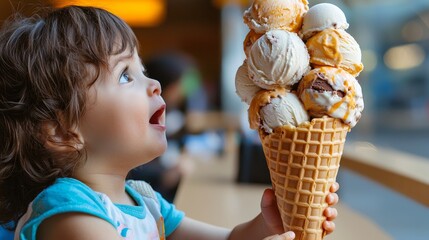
<point x="162" y="149"/>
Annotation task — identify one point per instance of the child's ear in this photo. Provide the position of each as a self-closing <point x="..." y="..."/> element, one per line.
<point x="58" y="139"/>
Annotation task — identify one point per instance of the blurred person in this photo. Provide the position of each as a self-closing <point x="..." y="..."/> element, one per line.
<point x="77" y="113"/>
<point x="179" y="78"/>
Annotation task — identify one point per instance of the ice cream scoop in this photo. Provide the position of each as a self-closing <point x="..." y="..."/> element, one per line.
<point x="270" y="109"/>
<point x="265" y="15"/>
<point x="278" y="59"/>
<point x="251" y="38"/>
<point x="320" y="17"/>
<point x="245" y="88"/>
<point x="333" y="92"/>
<point x="335" y="48"/>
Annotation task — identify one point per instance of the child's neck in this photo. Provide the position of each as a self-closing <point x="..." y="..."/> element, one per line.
<point x="111" y="185"/>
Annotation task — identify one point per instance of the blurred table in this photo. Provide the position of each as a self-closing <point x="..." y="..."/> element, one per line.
<point x="210" y="194"/>
<point x="403" y="172"/>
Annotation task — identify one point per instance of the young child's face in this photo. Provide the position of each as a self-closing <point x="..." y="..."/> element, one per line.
<point x="124" y="121"/>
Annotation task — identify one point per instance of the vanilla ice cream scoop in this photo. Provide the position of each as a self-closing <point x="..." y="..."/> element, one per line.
<point x="335" y="48"/>
<point x="333" y="92"/>
<point x="244" y="87"/>
<point x="270" y="109"/>
<point x="320" y="17"/>
<point x="278" y="59"/>
<point x="265" y="15"/>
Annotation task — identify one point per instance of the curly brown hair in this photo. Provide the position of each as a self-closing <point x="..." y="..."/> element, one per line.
<point x="45" y="74"/>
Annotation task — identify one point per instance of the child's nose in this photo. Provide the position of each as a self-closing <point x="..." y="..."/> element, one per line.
<point x="154" y="87"/>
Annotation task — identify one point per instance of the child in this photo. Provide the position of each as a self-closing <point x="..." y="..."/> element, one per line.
<point x="76" y="114"/>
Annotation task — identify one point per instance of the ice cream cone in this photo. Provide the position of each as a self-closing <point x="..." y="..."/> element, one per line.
<point x="303" y="163"/>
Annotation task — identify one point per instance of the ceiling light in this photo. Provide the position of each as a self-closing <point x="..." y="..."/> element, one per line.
<point x="137" y="13"/>
<point x="404" y="57"/>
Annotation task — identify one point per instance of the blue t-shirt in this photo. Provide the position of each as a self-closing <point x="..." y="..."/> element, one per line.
<point x="5" y="234"/>
<point x="144" y="221"/>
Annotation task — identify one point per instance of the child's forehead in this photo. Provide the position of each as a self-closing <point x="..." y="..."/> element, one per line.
<point x="126" y="55"/>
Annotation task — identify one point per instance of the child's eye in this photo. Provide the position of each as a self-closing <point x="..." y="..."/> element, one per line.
<point x="125" y="78"/>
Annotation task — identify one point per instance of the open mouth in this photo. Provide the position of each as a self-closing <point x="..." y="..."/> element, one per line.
<point x="157" y="116"/>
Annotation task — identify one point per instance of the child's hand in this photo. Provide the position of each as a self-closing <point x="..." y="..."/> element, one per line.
<point x="273" y="220"/>
<point x="270" y="212"/>
<point x="331" y="213"/>
<point x="285" y="236"/>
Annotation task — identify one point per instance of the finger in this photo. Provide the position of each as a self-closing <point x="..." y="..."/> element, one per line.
<point x="270" y="237"/>
<point x="285" y="236"/>
<point x="270" y="211"/>
<point x="330" y="213"/>
<point x="289" y="235"/>
<point x="275" y="237"/>
<point x="332" y="199"/>
<point x="328" y="226"/>
<point x="334" y="187"/>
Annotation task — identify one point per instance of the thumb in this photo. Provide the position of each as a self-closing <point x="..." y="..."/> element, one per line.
<point x="285" y="236"/>
<point x="270" y="212"/>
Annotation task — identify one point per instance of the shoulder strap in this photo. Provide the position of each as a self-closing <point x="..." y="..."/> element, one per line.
<point x="146" y="190"/>
<point x="143" y="188"/>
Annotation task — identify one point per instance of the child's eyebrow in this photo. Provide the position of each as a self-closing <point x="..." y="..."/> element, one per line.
<point x="120" y="58"/>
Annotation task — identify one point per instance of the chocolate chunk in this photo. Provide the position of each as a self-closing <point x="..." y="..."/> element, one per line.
<point x="321" y="84"/>
<point x="340" y="94"/>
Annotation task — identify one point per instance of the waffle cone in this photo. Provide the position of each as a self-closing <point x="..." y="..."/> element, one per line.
<point x="303" y="163"/>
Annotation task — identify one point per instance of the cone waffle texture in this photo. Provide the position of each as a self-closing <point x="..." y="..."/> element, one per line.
<point x="303" y="164"/>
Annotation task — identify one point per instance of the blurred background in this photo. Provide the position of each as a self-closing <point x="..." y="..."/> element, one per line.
<point x="393" y="36"/>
